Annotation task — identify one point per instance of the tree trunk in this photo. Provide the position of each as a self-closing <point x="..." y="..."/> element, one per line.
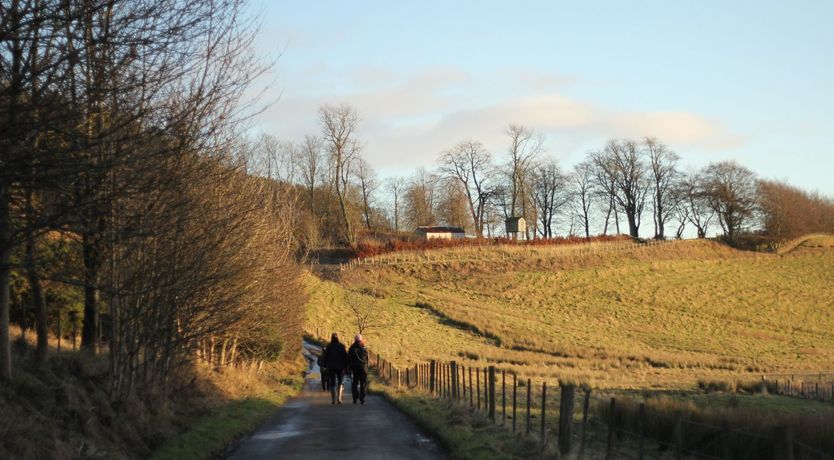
<point x="633" y="229"/>
<point x="343" y="207"/>
<point x="35" y="285"/>
<point x="223" y="351"/>
<point x="233" y="351"/>
<point x="89" y="326"/>
<point x="5" y="259"/>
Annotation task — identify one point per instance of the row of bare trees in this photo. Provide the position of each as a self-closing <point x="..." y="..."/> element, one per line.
<point x="121" y="180"/>
<point x="613" y="190"/>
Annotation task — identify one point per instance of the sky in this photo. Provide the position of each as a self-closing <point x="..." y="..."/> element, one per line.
<point x="751" y="81"/>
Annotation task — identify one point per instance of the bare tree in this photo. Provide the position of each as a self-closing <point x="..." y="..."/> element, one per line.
<point x="623" y="174"/>
<point x="694" y="203"/>
<point x="452" y="207"/>
<point x="339" y="125"/>
<point x="276" y="160"/>
<point x="789" y="212"/>
<point x="582" y="184"/>
<point x="525" y="146"/>
<point x="731" y="192"/>
<point x="664" y="174"/>
<point x="420" y="199"/>
<point x="550" y="193"/>
<point x="310" y="166"/>
<point x="368" y="184"/>
<point x="395" y="186"/>
<point x="605" y="190"/>
<point x="470" y="164"/>
<point x="364" y="316"/>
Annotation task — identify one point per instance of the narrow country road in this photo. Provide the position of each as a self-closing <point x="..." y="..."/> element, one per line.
<point x="309" y="427"/>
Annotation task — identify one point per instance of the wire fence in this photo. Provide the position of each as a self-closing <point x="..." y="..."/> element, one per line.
<point x="564" y="417"/>
<point x="809" y="385"/>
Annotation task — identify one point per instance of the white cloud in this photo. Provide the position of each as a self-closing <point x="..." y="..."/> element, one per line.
<point x="408" y="120"/>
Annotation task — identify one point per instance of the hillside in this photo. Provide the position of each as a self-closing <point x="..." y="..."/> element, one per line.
<point x="619" y="317"/>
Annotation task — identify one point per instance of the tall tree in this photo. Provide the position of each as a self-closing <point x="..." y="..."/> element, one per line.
<point x="624" y="173"/>
<point x="664" y="175"/>
<point x="452" y="207"/>
<point x="525" y="146"/>
<point x="550" y="194"/>
<point x="470" y="164"/>
<point x="694" y="203"/>
<point x="339" y="124"/>
<point x="368" y="183"/>
<point x="582" y="184"/>
<point x="311" y="168"/>
<point x="731" y="192"/>
<point x="419" y="199"/>
<point x="395" y="186"/>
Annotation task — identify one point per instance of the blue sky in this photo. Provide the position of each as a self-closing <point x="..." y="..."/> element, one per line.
<point x="745" y="80"/>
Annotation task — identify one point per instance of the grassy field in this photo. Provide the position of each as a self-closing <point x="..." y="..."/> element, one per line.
<point x="660" y="317"/>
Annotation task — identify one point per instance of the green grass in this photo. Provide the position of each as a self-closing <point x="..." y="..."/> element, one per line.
<point x="211" y="434"/>
<point x="657" y="318"/>
<point x="464" y="434"/>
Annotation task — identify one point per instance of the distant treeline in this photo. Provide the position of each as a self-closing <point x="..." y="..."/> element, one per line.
<point x="125" y="208"/>
<point x="614" y="190"/>
<point x="788" y="212"/>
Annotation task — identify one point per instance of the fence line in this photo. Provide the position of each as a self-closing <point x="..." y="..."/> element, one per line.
<point x="809" y="385"/>
<point x="453" y="382"/>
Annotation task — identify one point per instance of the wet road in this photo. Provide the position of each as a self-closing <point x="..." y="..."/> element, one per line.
<point x="309" y="427"/>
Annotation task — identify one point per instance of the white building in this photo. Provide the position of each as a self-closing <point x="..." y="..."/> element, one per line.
<point x="444" y="233"/>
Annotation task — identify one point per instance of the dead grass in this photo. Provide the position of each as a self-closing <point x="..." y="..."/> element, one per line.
<point x="653" y="317"/>
<point x="61" y="409"/>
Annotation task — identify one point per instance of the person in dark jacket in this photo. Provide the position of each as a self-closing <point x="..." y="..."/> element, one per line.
<point x="335" y="359"/>
<point x="322" y="372"/>
<point x="358" y="364"/>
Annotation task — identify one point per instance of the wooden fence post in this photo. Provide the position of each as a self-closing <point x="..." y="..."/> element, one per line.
<point x="585" y="406"/>
<point x="503" y="397"/>
<point x="515" y="391"/>
<point x="446" y="379"/>
<point x="441" y="381"/>
<point x="471" y="403"/>
<point x="528" y="407"/>
<point x="455" y="395"/>
<point x="478" y="386"/>
<point x="432" y="376"/>
<point x="611" y="417"/>
<point x="492" y="393"/>
<point x="543" y="413"/>
<point x="463" y="385"/>
<point x="566" y="417"/>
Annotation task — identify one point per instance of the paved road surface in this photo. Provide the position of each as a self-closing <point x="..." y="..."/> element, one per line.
<point x="309" y="427"/>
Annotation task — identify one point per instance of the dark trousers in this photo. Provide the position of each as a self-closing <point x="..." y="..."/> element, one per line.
<point x="334" y="378"/>
<point x="324" y="378"/>
<point x="359" y="386"/>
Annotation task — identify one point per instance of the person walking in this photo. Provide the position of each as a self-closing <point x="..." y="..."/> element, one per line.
<point x="335" y="359"/>
<point x="358" y="364"/>
<point x="322" y="371"/>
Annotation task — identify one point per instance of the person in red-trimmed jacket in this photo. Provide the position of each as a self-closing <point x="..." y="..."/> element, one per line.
<point x="358" y="365"/>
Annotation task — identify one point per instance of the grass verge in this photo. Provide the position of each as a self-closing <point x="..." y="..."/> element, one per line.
<point x="463" y="433"/>
<point x="211" y="434"/>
